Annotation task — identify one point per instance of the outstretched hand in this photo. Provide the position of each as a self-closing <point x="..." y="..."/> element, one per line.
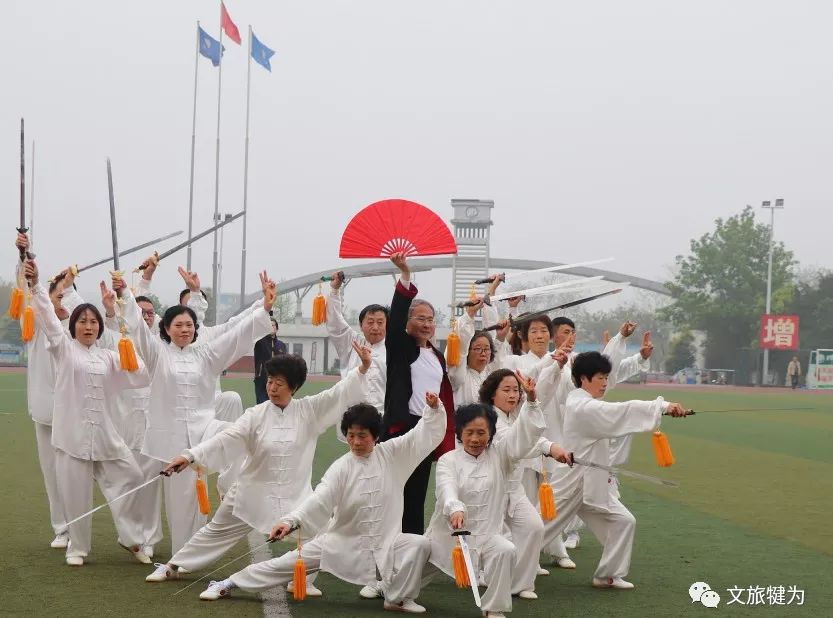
<point x="627" y="328"/>
<point x="527" y="384"/>
<point x="108" y="299"/>
<point x="365" y="355"/>
<point x="270" y="291"/>
<point x="191" y="279"/>
<point x="647" y="347"/>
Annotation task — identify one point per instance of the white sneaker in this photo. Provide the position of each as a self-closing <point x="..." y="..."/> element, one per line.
<point x="60" y="541"/>
<point x="162" y="573"/>
<point x="407" y="605"/>
<point x="565" y="563"/>
<point x="612" y="582"/>
<point x="138" y="553"/>
<point x="312" y="591"/>
<point x="572" y="541"/>
<point x="216" y="590"/>
<point x="148" y="550"/>
<point x="528" y="594"/>
<point x="75" y="560"/>
<point x="182" y="571"/>
<point x="494" y="614"/>
<point x="542" y="570"/>
<point x="372" y="591"/>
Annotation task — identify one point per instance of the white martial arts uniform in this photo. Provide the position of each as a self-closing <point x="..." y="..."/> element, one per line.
<point x="479" y="487"/>
<point x="87" y="444"/>
<point x="464" y="380"/>
<point x="555" y="385"/>
<point x="40" y="399"/>
<point x="363" y="496"/>
<point x="182" y="399"/>
<point x="588" y="424"/>
<point x="279" y="446"/>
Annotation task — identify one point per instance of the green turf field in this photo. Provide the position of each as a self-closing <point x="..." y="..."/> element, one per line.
<point x="753" y="510"/>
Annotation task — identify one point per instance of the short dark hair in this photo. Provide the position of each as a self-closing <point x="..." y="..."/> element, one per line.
<point x="170" y="314"/>
<point x="488" y="388"/>
<point x="143" y="299"/>
<point x="479" y="334"/>
<point x="187" y="291"/>
<point x="543" y="319"/>
<point x="363" y="415"/>
<point x="53" y="283"/>
<point x="467" y="413"/>
<point x="274" y="321"/>
<point x="374" y="308"/>
<point x="588" y="364"/>
<point x="76" y="314"/>
<point x="290" y="367"/>
<point x="562" y="320"/>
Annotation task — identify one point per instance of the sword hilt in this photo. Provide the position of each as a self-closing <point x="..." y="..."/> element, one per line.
<point x="461" y="533"/>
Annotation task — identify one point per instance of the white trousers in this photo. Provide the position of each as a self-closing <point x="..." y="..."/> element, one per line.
<point x="527" y="530"/>
<point x="46" y="457"/>
<point x="114" y="477"/>
<point x="614" y="528"/>
<point x="530" y="481"/>
<point x="410" y="554"/>
<point x="574" y="526"/>
<point x="149" y="499"/>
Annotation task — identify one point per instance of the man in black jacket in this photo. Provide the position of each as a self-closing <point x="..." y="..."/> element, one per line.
<point x="414" y="367"/>
<point x="265" y="349"/>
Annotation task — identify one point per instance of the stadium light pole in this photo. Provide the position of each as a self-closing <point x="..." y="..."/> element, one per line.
<point x="779" y="203"/>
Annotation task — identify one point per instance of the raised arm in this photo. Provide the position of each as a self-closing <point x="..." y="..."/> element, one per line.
<point x="341" y="334"/>
<point x="396" y="338"/>
<point x="148" y="344"/>
<point x="329" y="406"/>
<point x="238" y="341"/>
<point x="604" y="419"/>
<point x="46" y="320"/>
<point x="413" y="447"/>
<point x="520" y="441"/>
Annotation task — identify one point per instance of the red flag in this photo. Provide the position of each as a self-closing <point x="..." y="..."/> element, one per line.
<point x="228" y="26"/>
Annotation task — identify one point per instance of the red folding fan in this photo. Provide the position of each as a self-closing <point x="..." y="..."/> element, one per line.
<point x="392" y="226"/>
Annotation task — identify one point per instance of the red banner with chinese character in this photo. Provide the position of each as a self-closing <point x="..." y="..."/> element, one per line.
<point x="779" y="332"/>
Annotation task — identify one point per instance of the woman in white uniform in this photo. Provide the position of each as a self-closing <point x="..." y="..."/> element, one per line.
<point x="181" y="411"/>
<point x="87" y="446"/>
<point x="473" y="483"/>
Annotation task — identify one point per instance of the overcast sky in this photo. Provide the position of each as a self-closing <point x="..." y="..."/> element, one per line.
<point x="606" y="128"/>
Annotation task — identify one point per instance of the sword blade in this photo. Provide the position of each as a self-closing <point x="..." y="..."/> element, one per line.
<point x="22" y="180"/>
<point x="470" y="569"/>
<point x="131" y="250"/>
<point x="182" y="245"/>
<point x="617" y="472"/>
<point x="101" y="506"/>
<point x="526" y="317"/>
<point x="544" y="289"/>
<point x="113" y="233"/>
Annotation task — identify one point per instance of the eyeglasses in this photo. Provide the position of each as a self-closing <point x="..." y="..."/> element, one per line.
<point x="481" y="350"/>
<point x="423" y="320"/>
<point x="148" y="312"/>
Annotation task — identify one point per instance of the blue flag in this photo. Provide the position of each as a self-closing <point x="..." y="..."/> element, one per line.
<point x="210" y="47"/>
<point x="261" y="54"/>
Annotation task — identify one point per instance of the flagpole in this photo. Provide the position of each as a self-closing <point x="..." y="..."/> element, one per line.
<point x="32" y="202"/>
<point x="213" y="312"/>
<point x="193" y="141"/>
<point x="246" y="172"/>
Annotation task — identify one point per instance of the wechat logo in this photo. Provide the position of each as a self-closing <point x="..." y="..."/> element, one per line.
<point x="701" y="592"/>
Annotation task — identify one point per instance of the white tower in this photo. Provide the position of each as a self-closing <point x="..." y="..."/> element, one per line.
<point x="471" y="222"/>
